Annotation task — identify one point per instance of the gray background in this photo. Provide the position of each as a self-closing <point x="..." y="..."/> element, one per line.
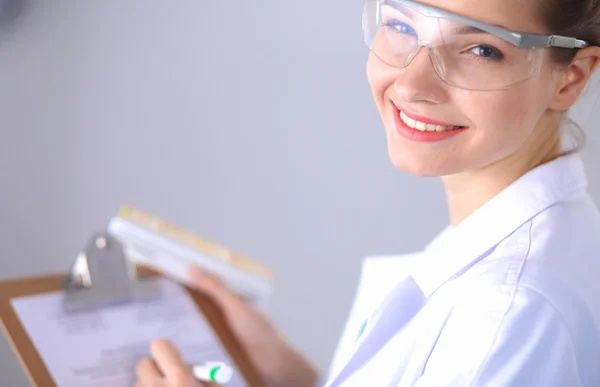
<point x="252" y="125"/>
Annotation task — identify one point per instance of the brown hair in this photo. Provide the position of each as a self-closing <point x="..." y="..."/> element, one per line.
<point x="572" y="18"/>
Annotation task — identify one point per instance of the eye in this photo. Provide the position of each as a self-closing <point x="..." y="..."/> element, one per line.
<point x="487" y="52"/>
<point x="401" y="27"/>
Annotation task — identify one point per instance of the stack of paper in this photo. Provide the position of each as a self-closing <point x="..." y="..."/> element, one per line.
<point x="100" y="348"/>
<point x="170" y="249"/>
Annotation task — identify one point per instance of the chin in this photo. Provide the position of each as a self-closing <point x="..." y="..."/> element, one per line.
<point x="419" y="170"/>
<point x="420" y="166"/>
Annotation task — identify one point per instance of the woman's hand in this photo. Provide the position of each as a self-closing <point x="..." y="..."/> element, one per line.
<point x="166" y="369"/>
<point x="275" y="360"/>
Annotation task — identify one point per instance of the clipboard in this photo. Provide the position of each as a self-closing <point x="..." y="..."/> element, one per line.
<point x="100" y="277"/>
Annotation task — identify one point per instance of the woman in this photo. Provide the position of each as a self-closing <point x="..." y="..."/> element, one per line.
<point x="507" y="294"/>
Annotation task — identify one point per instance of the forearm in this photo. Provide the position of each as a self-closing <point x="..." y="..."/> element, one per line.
<point x="294" y="370"/>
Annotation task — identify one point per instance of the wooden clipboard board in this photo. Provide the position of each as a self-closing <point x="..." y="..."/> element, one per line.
<point x="31" y="361"/>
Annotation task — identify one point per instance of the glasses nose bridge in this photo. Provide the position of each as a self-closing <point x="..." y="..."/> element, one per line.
<point x="424" y="43"/>
<point x="434" y="60"/>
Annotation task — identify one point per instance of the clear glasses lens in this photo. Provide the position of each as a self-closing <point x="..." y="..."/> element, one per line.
<point x="462" y="55"/>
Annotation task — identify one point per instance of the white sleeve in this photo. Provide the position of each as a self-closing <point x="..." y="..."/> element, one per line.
<point x="529" y="345"/>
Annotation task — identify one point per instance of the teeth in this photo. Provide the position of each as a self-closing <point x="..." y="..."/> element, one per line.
<point x="423" y="126"/>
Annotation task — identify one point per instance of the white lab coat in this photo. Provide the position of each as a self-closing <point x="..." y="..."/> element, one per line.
<point x="510" y="297"/>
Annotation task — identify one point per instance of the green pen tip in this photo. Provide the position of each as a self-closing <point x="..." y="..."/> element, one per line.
<point x="213" y="373"/>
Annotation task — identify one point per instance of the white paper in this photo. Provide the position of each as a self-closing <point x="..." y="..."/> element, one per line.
<point x="100" y="348"/>
<point x="148" y="248"/>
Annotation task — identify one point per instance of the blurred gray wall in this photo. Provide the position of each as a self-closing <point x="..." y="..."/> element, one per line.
<point x="252" y="125"/>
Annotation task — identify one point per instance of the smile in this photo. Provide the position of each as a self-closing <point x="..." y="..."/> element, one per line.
<point x="421" y="129"/>
<point x="423" y="126"/>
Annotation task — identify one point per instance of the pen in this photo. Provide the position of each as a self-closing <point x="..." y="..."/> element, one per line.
<point x="216" y="372"/>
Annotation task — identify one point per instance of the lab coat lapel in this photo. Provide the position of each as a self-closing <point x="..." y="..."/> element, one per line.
<point x="401" y="305"/>
<point x="453" y="253"/>
<point x="400" y="362"/>
<point x="460" y="248"/>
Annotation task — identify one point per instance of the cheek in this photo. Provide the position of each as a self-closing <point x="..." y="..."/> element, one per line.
<point x="504" y="114"/>
<point x="380" y="79"/>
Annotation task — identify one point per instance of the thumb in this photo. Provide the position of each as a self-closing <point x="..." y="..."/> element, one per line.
<point x="211" y="286"/>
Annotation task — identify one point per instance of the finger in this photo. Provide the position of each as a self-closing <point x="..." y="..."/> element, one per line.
<point x="148" y="374"/>
<point x="211" y="286"/>
<point x="168" y="359"/>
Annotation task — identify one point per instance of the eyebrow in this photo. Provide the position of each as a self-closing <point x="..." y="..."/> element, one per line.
<point x="468" y="30"/>
<point x="401" y="10"/>
<point x="405" y="12"/>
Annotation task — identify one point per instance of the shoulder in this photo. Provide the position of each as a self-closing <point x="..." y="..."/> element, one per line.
<point x="556" y="254"/>
<point x="567" y="228"/>
<point x="528" y="313"/>
<point x="558" y="259"/>
<point x="515" y="339"/>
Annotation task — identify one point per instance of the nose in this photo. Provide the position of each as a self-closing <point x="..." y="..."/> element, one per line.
<point x="419" y="82"/>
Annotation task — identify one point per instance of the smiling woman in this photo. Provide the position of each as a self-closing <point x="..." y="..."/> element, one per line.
<point x="473" y="92"/>
<point x="504" y="84"/>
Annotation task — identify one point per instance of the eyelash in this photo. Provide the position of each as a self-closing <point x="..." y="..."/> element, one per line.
<point x="394" y="24"/>
<point x="500" y="56"/>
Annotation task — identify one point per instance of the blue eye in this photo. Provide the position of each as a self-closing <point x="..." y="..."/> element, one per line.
<point x="401" y="27"/>
<point x="487" y="52"/>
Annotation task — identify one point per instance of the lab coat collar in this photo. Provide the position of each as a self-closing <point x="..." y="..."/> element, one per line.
<point x="458" y="248"/>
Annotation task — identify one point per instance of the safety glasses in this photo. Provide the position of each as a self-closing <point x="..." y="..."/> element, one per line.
<point x="465" y="53"/>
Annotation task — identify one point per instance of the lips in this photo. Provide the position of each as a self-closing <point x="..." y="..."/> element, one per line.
<point x="426" y="124"/>
<point x="422" y="129"/>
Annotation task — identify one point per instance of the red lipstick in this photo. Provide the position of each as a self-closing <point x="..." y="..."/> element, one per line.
<point x="423" y="135"/>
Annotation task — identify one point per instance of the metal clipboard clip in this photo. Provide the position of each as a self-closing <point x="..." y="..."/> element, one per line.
<point x="103" y="276"/>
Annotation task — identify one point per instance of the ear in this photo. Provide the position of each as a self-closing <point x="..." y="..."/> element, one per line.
<point x="575" y="77"/>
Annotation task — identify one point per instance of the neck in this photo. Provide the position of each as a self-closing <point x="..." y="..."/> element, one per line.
<point x="467" y="191"/>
